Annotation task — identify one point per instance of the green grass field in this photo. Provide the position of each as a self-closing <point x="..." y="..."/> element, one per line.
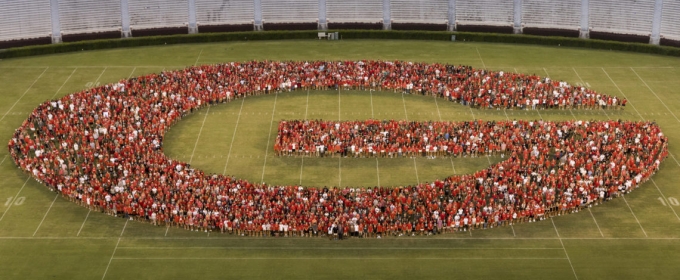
<point x="45" y="236"/>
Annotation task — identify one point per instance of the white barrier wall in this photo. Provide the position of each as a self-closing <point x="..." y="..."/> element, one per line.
<point x="622" y="16"/>
<point x="210" y="12"/>
<point x="79" y="16"/>
<point x="420" y="11"/>
<point x="354" y="10"/>
<point x="24" y="19"/>
<point x="158" y="13"/>
<point x="278" y="11"/>
<point x="564" y="14"/>
<point x="485" y="12"/>
<point x="28" y="19"/>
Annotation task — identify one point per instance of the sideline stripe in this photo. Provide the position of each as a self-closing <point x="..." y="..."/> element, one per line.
<point x="22" y="96"/>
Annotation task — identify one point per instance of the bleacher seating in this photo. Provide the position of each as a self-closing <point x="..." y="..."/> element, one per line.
<point x="670" y="19"/>
<point x="24" y="20"/>
<point x="419" y="11"/>
<point x="209" y="12"/>
<point x="354" y="10"/>
<point x="622" y="16"/>
<point x="27" y="19"/>
<point x="484" y="12"/>
<point x="78" y="16"/>
<point x="564" y="14"/>
<point x="158" y="13"/>
<point x="274" y="11"/>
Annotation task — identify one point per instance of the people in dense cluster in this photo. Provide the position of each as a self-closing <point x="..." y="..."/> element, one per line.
<point x="102" y="148"/>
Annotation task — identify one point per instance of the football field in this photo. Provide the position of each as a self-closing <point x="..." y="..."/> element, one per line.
<point x="43" y="235"/>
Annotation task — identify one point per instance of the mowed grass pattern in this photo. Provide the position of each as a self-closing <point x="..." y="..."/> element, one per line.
<point x="45" y="236"/>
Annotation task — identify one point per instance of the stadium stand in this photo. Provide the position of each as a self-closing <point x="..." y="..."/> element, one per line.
<point x="24" y="20"/>
<point x="89" y="16"/>
<point x="419" y="11"/>
<point x="32" y="21"/>
<point x="354" y="10"/>
<point x="158" y="13"/>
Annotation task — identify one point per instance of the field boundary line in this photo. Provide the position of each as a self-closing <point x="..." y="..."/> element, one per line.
<point x="233" y="136"/>
<point x="63" y="84"/>
<point x="14" y="199"/>
<point x="634" y="216"/>
<point x="115" y="249"/>
<point x="664" y="198"/>
<point x="564" y="248"/>
<point x="82" y="225"/>
<point x="331" y="248"/>
<point x="405" y="239"/>
<point x="45" y="216"/>
<point x="269" y="138"/>
<point x="198" y="137"/>
<point x="480" y="57"/>
<point x="653" y="92"/>
<point x="24" y="94"/>
<point x="318" y="258"/>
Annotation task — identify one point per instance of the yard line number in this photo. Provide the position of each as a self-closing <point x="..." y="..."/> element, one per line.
<point x="20" y="200"/>
<point x="672" y="200"/>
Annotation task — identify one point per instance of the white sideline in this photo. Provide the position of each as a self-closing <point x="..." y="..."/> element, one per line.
<point x="233" y="136"/>
<point x="14" y="199"/>
<point x="22" y="96"/>
<point x="564" y="248"/>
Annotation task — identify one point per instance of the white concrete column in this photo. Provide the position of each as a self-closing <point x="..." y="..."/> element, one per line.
<point x="517" y="23"/>
<point x="258" y="25"/>
<point x="193" y="26"/>
<point x="323" y="23"/>
<point x="452" y="16"/>
<point x="125" y="19"/>
<point x="387" y="15"/>
<point x="584" y="31"/>
<point x="655" y="39"/>
<point x="56" y="24"/>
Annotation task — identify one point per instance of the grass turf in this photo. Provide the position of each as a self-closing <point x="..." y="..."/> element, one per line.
<point x="44" y="236"/>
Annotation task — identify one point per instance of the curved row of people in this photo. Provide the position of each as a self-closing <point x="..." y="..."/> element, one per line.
<point x="102" y="147"/>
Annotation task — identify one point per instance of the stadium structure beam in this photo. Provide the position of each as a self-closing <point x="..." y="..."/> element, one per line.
<point x="584" y="31"/>
<point x="387" y="15"/>
<point x="125" y="19"/>
<point x="257" y="23"/>
<point x="323" y="23"/>
<point x="452" y="16"/>
<point x="655" y="38"/>
<point x="56" y="24"/>
<point x="517" y="11"/>
<point x="193" y="27"/>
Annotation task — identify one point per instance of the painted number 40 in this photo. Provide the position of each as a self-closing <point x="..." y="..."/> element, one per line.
<point x="20" y="200"/>
<point x="672" y="200"/>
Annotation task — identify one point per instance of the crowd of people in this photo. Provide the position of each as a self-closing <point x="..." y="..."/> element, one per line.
<point x="102" y="148"/>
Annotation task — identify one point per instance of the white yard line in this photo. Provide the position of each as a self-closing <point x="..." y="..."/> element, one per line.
<point x="82" y="225"/>
<point x="378" y="170"/>
<point x="415" y="166"/>
<point x="114" y="250"/>
<point x="166" y="230"/>
<point x="664" y="198"/>
<point x="636" y="219"/>
<point x="657" y="96"/>
<point x="62" y="85"/>
<point x="565" y="249"/>
<point x="233" y="136"/>
<point x="334" y="248"/>
<point x="480" y="57"/>
<point x="199" y="56"/>
<point x="45" y="216"/>
<point x="14" y="199"/>
<point x="133" y="71"/>
<point x="370" y="91"/>
<point x="513" y="231"/>
<point x="598" y="226"/>
<point x="198" y="137"/>
<point x="323" y="258"/>
<point x="22" y="95"/>
<point x="266" y="150"/>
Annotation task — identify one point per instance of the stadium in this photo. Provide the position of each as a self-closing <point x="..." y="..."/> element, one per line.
<point x="622" y="55"/>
